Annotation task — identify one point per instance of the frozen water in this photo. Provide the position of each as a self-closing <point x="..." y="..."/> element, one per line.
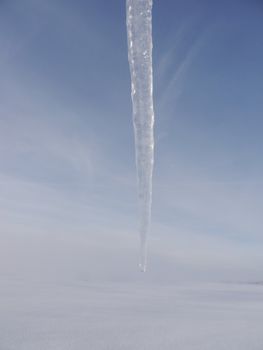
<point x="122" y="316"/>
<point x="139" y="29"/>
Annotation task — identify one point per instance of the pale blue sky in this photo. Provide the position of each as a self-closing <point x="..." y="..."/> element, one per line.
<point x="66" y="139"/>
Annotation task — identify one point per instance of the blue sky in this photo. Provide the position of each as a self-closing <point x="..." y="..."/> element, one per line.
<point x="67" y="171"/>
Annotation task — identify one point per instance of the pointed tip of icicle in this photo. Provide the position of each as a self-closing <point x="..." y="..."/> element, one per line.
<point x="142" y="268"/>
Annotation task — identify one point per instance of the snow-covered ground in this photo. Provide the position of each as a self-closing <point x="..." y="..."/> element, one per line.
<point x="81" y="315"/>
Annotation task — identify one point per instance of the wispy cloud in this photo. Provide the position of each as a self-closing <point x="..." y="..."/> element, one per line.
<point x="174" y="70"/>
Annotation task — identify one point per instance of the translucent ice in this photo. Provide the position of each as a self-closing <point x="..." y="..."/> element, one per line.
<point x="139" y="29"/>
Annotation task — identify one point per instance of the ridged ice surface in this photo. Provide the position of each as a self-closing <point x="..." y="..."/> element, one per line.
<point x="139" y="29"/>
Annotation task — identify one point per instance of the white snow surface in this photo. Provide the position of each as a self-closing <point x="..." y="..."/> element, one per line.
<point x="104" y="316"/>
